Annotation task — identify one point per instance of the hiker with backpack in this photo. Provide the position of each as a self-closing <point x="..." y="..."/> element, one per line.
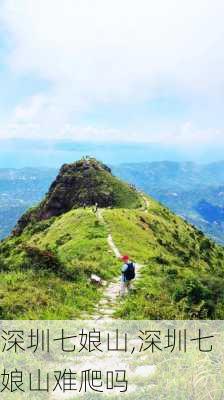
<point x="95" y="208"/>
<point x="127" y="274"/>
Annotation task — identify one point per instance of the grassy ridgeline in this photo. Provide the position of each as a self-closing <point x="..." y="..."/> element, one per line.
<point x="45" y="266"/>
<point x="45" y="271"/>
<point x="183" y="272"/>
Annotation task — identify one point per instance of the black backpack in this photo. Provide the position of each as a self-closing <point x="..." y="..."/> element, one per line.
<point x="129" y="274"/>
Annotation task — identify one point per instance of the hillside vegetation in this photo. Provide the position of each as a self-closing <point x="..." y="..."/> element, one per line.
<point x="45" y="268"/>
<point x="193" y="191"/>
<point x="45" y="271"/>
<point x="183" y="271"/>
<point x="85" y="182"/>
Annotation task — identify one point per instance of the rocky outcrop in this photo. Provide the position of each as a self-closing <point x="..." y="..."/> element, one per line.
<point x="80" y="184"/>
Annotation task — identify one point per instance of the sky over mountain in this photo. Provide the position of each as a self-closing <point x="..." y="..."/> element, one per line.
<point x="130" y="71"/>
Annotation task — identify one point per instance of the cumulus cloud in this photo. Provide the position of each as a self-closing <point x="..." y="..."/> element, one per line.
<point x="96" y="52"/>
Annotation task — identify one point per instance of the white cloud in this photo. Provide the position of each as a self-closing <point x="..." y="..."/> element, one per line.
<point x="190" y="135"/>
<point x="108" y="48"/>
<point x="115" y="52"/>
<point x="30" y="110"/>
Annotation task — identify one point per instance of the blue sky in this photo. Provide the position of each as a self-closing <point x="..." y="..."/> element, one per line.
<point x="146" y="72"/>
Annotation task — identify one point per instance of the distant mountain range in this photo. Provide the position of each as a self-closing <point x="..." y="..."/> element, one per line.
<point x="48" y="263"/>
<point x="20" y="189"/>
<point x="194" y="191"/>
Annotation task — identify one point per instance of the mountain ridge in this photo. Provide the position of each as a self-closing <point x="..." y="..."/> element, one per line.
<point x="21" y="189"/>
<point x="45" y="269"/>
<point x="87" y="182"/>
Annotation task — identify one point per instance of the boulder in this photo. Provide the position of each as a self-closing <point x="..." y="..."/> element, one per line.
<point x="95" y="279"/>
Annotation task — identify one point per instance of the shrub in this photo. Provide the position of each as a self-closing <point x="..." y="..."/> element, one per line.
<point x="41" y="226"/>
<point x="3" y="265"/>
<point x="172" y="272"/>
<point x="192" y="289"/>
<point x="42" y="259"/>
<point x="206" y="245"/>
<point x="200" y="296"/>
<point x="162" y="260"/>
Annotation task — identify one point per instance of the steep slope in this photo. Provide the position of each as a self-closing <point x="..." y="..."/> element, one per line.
<point x="85" y="182"/>
<point x="46" y="269"/>
<point x="183" y="271"/>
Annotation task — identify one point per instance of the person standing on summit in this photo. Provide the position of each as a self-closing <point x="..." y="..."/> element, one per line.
<point x="95" y="208"/>
<point x="127" y="274"/>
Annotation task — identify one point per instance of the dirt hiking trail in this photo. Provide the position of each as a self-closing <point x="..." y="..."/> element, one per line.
<point x="109" y="302"/>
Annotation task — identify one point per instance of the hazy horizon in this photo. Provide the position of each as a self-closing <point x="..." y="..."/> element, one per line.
<point x="34" y="153"/>
<point x="146" y="74"/>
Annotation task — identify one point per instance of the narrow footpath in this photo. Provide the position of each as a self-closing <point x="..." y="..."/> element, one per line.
<point x="109" y="302"/>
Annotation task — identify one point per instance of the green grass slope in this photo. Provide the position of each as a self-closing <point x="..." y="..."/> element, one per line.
<point x="45" y="271"/>
<point x="46" y="264"/>
<point x="183" y="271"/>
